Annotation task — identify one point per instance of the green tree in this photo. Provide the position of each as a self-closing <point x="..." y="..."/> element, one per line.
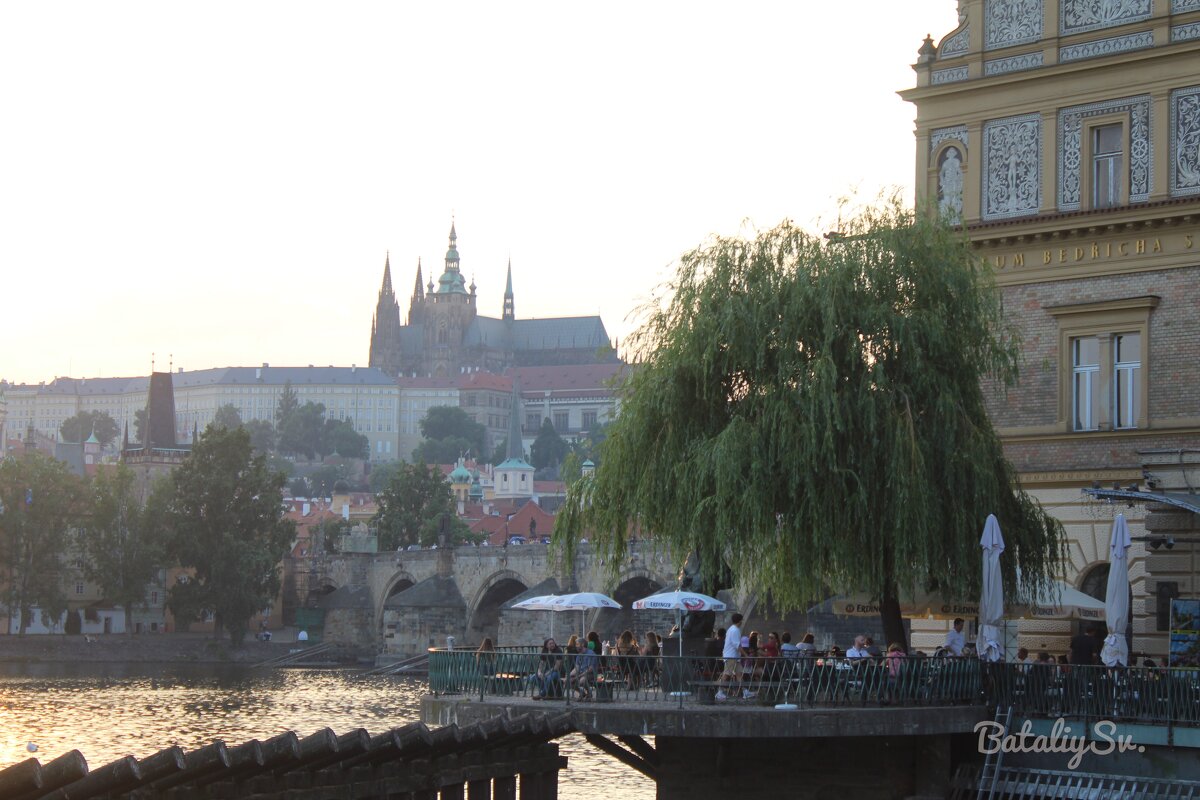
<point x="227" y="416"/>
<point x="322" y="480"/>
<point x="447" y="433"/>
<point x="123" y="543"/>
<point x="262" y="435"/>
<point x="298" y="487"/>
<point x="571" y="468"/>
<point x="500" y="453"/>
<point x="341" y="438"/>
<point x="139" y="425"/>
<point x="548" y="449"/>
<point x="226" y="519"/>
<point x="441" y="451"/>
<point x="79" y="427"/>
<point x="810" y="414"/>
<point x="288" y="403"/>
<point x="40" y="501"/>
<point x="412" y="506"/>
<point x="381" y="475"/>
<point x="301" y="431"/>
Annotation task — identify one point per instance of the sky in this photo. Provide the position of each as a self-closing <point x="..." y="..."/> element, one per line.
<point x="218" y="184"/>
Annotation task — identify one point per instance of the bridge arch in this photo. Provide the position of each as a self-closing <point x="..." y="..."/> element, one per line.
<point x="324" y="586"/>
<point x="395" y="585"/>
<point x="484" y="610"/>
<point x="631" y="584"/>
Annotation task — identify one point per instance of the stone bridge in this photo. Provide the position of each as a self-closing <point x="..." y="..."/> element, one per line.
<point x="398" y="604"/>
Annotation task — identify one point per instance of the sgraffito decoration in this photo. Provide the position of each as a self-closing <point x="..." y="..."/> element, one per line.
<point x="1011" y="22"/>
<point x="956" y="44"/>
<point x="1070" y="138"/>
<point x="1012" y="167"/>
<point x="1077" y="16"/>
<point x="1185" y="141"/>
<point x="1106" y="47"/>
<point x="1000" y="66"/>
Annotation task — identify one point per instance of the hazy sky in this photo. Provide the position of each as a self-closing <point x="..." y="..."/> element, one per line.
<point x="221" y="181"/>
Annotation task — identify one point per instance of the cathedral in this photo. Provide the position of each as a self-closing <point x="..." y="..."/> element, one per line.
<point x="445" y="335"/>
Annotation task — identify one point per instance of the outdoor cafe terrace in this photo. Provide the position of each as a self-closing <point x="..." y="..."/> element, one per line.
<point x="678" y="695"/>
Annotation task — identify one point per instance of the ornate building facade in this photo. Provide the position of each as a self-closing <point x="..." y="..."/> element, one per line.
<point x="1065" y="136"/>
<point x="444" y="334"/>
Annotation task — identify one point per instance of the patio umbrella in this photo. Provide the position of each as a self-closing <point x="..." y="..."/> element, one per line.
<point x="991" y="598"/>
<point x="1061" y="602"/>
<point x="544" y="602"/>
<point x="581" y="602"/>
<point x="679" y="602"/>
<point x="1116" y="599"/>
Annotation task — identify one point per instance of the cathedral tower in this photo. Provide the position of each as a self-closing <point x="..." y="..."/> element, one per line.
<point x="385" y="327"/>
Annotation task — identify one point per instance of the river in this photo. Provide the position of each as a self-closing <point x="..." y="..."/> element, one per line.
<point x="108" y="710"/>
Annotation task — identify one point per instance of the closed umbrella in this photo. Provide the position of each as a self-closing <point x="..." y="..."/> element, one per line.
<point x="991" y="598"/>
<point x="1116" y="599"/>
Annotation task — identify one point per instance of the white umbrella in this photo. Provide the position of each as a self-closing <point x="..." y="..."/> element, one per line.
<point x="543" y="602"/>
<point x="991" y="598"/>
<point x="1062" y="602"/>
<point x="1116" y="599"/>
<point x="679" y="602"/>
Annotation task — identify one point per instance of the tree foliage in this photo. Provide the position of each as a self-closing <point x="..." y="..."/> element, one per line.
<point x="79" y="427"/>
<point x="226" y="519"/>
<point x="340" y="437"/>
<point x="302" y="430"/>
<point x="810" y="414"/>
<point x="40" y="501"/>
<point x="139" y="425"/>
<point x="227" y="416"/>
<point x="548" y="449"/>
<point x="262" y="435"/>
<point x="123" y="543"/>
<point x="449" y="433"/>
<point x="412" y="506"/>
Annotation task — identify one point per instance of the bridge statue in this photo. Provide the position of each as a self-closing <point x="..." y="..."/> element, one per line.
<point x="697" y="625"/>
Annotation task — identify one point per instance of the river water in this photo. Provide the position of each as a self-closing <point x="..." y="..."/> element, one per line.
<point x="107" y="711"/>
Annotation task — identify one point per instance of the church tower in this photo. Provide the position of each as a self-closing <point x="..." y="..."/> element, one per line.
<point x="448" y="311"/>
<point x="385" y="327"/>
<point x="509" y="313"/>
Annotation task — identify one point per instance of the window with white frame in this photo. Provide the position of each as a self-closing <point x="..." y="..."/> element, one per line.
<point x="1127" y="368"/>
<point x="1106" y="166"/>
<point x="1085" y="366"/>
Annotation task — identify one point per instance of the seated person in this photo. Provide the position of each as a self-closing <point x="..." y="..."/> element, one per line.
<point x="550" y="670"/>
<point x="587" y="665"/>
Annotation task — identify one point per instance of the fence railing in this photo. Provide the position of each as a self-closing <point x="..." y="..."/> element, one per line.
<point x="806" y="682"/>
<point x="1144" y="695"/>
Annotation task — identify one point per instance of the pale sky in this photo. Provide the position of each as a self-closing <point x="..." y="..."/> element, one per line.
<point x="218" y="183"/>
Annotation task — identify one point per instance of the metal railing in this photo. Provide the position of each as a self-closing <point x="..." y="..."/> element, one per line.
<point x="1143" y="695"/>
<point x="805" y="682"/>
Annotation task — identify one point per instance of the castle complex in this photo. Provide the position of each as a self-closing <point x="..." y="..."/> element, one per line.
<point x="445" y="334"/>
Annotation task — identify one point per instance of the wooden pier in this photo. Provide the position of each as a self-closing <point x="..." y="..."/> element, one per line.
<point x="490" y="760"/>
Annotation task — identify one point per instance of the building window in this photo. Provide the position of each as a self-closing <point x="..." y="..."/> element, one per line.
<point x="1127" y="367"/>
<point x="1103" y="347"/>
<point x="562" y="421"/>
<point x="1085" y="364"/>
<point x="533" y="421"/>
<point x="154" y="597"/>
<point x="1106" y="166"/>
<point x="589" y="420"/>
<point x="78" y="587"/>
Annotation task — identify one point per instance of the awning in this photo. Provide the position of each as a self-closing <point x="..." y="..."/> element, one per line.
<point x="1188" y="502"/>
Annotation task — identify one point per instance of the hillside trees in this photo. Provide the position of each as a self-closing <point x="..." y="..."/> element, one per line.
<point x="412" y="506"/>
<point x="79" y="427"/>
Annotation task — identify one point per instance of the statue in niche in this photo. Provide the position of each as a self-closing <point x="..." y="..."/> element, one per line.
<point x="696" y="625"/>
<point x="1014" y="159"/>
<point x="950" y="184"/>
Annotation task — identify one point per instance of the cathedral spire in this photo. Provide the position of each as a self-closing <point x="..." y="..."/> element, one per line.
<point x="419" y="288"/>
<point x="509" y="312"/>
<point x="386" y="289"/>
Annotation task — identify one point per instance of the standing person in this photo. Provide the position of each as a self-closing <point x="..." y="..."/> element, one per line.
<point x="732" y="672"/>
<point x="955" y="641"/>
<point x="485" y="658"/>
<point x="1085" y="648"/>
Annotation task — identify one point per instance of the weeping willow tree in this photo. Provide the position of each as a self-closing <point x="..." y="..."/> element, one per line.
<point x="810" y="413"/>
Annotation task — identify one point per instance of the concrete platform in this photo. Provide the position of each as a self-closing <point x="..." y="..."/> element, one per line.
<point x="733" y="721"/>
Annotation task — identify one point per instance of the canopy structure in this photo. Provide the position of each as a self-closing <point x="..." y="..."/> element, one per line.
<point x="679" y="602"/>
<point x="1059" y="602"/>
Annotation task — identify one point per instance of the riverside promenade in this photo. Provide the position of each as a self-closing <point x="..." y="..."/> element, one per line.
<point x="816" y="726"/>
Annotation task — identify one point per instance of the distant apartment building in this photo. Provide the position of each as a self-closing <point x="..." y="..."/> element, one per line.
<point x="363" y="395"/>
<point x="574" y="398"/>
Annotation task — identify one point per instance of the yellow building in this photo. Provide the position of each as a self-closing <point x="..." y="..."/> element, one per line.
<point x="1065" y="136"/>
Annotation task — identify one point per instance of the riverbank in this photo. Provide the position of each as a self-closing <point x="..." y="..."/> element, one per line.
<point x="199" y="648"/>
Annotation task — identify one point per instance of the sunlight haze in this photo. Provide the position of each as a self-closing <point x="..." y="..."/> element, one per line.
<point x="219" y="183"/>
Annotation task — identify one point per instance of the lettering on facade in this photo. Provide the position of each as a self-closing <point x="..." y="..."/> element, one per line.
<point x="1095" y="251"/>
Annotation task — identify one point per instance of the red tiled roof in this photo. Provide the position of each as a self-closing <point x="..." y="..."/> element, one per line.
<point x="571" y="377"/>
<point x="485" y="380"/>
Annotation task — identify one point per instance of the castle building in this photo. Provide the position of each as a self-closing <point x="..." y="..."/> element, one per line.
<point x="445" y="335"/>
<point x="1064" y="135"/>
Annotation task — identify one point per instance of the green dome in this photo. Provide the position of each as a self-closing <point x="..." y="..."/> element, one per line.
<point x="460" y="475"/>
